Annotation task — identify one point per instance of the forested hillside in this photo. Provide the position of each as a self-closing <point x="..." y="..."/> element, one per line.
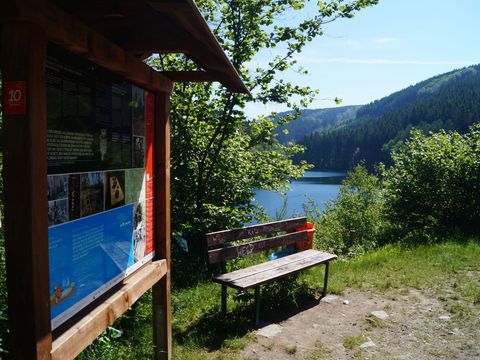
<point x="315" y="120"/>
<point x="449" y="101"/>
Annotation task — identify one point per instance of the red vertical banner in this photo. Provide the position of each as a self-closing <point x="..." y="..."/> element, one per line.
<point x="149" y="173"/>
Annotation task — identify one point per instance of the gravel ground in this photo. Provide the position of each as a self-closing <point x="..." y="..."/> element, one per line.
<point x="343" y="327"/>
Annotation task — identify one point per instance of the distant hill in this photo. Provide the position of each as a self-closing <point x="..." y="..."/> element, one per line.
<point x="450" y="101"/>
<point x="315" y="120"/>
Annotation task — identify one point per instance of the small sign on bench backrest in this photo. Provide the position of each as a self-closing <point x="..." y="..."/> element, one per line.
<point x="232" y="252"/>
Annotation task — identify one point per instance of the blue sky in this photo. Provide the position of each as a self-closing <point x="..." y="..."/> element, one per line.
<point x="385" y="48"/>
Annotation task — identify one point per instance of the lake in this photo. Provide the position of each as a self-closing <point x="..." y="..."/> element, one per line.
<point x="320" y="186"/>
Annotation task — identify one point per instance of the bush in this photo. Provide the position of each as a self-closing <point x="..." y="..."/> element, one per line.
<point x="433" y="185"/>
<point x="353" y="223"/>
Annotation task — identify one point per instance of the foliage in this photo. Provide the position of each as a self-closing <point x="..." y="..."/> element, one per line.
<point x="449" y="101"/>
<point x="218" y="155"/>
<point x="434" y="183"/>
<point x="431" y="189"/>
<point x="353" y="223"/>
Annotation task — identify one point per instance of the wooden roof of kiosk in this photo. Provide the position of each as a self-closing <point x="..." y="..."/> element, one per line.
<point x="143" y="27"/>
<point x="117" y="35"/>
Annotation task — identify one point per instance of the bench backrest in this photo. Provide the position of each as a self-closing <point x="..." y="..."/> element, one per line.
<point x="222" y="252"/>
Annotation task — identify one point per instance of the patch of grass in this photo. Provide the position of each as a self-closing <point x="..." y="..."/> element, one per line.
<point x="352" y="341"/>
<point x="291" y="349"/>
<point x="238" y="343"/>
<point x="269" y="346"/>
<point x="471" y="290"/>
<point x="459" y="308"/>
<point x="396" y="268"/>
<point x="388" y="308"/>
<point x="321" y="352"/>
<point x="374" y="322"/>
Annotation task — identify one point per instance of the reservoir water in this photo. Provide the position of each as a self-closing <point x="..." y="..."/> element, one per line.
<point x="320" y="186"/>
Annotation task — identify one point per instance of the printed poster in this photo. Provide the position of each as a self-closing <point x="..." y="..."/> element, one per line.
<point x="100" y="181"/>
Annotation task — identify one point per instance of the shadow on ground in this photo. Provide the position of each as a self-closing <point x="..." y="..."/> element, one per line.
<point x="279" y="301"/>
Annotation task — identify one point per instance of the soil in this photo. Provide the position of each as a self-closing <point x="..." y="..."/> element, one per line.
<point x="417" y="327"/>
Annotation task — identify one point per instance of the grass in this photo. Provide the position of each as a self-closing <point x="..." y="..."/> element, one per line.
<point x="446" y="271"/>
<point x="439" y="269"/>
<point x="199" y="331"/>
<point x="291" y="350"/>
<point x="320" y="352"/>
<point x="352" y="341"/>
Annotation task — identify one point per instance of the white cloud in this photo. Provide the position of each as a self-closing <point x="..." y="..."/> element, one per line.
<point x="383" y="40"/>
<point x="318" y="60"/>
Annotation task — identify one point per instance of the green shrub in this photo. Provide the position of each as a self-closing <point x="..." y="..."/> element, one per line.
<point x="434" y="183"/>
<point x="353" y="223"/>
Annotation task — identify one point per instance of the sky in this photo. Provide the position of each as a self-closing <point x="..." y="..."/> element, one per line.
<point x="383" y="49"/>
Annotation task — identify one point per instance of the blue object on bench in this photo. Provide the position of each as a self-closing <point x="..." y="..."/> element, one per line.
<point x="280" y="254"/>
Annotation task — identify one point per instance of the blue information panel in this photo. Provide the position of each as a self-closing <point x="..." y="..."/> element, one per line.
<point x="100" y="183"/>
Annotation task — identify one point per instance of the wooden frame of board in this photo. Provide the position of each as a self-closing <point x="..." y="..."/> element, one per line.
<point x="117" y="36"/>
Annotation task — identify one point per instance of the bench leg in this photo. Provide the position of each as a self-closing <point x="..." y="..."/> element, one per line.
<point x="325" y="281"/>
<point x="224" y="300"/>
<point x="257" y="306"/>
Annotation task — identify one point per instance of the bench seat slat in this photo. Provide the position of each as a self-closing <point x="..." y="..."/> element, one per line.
<point x="268" y="265"/>
<point x="277" y="269"/>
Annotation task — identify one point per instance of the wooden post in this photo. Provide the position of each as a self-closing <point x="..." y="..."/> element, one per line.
<point x="162" y="330"/>
<point x="23" y="59"/>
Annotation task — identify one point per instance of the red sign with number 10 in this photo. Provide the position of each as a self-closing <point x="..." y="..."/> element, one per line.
<point x="14" y="98"/>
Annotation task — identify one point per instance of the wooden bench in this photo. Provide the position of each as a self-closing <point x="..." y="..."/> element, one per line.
<point x="281" y="233"/>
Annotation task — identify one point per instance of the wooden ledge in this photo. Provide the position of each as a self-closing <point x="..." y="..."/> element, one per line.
<point x="93" y="322"/>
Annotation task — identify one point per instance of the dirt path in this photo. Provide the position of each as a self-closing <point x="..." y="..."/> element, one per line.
<point x="416" y="327"/>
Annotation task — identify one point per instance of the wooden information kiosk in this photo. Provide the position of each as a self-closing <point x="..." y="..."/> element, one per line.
<point x="87" y="163"/>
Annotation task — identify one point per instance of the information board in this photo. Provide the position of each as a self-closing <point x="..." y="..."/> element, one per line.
<point x="100" y="180"/>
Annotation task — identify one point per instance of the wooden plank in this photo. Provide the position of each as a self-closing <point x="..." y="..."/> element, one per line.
<point x="211" y="57"/>
<point x="159" y="41"/>
<point x="69" y="344"/>
<point x="220" y="237"/>
<point x="162" y="327"/>
<point x="68" y="32"/>
<point x="265" y="266"/>
<point x="23" y="59"/>
<point x="189" y="76"/>
<point x="232" y="252"/>
<point x="255" y="280"/>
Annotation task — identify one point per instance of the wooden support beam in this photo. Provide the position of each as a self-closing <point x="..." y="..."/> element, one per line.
<point x="162" y="44"/>
<point x="23" y="59"/>
<point x="189" y="76"/>
<point x="162" y="327"/>
<point x="69" y="344"/>
<point x="169" y="5"/>
<point x="70" y="33"/>
<point x="207" y="53"/>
